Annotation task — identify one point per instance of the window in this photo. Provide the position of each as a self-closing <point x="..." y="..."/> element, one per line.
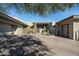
<point x="13" y="28"/>
<point x="68" y="30"/>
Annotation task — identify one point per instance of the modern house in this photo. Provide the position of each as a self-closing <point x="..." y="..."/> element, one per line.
<point x="40" y="26"/>
<point x="10" y="25"/>
<point x="68" y="27"/>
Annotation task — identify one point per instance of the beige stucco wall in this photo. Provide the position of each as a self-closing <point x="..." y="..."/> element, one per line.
<point x="76" y="29"/>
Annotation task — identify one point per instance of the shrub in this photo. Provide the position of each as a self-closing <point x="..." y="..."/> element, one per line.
<point x="27" y="30"/>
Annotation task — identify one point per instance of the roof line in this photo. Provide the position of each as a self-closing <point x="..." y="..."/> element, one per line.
<point x="67" y="18"/>
<point x="11" y="18"/>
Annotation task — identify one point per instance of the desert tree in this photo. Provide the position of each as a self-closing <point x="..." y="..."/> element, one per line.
<point x="41" y="9"/>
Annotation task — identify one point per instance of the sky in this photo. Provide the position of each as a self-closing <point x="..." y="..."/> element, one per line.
<point x="54" y="17"/>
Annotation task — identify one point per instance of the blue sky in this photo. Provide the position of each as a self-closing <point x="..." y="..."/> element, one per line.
<point x="54" y="17"/>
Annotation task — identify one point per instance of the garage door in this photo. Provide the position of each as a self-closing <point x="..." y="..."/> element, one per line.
<point x="5" y="28"/>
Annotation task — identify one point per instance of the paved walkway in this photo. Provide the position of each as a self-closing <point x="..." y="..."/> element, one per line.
<point x="60" y="46"/>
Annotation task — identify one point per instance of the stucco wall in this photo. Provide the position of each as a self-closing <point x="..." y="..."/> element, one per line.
<point x="76" y="29"/>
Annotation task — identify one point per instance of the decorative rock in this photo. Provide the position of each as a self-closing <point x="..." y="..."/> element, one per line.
<point x="6" y="52"/>
<point x="27" y="45"/>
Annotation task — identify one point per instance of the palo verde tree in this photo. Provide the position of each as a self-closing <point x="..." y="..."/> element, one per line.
<point x="42" y="9"/>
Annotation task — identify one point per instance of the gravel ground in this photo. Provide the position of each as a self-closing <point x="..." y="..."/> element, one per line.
<point x="60" y="46"/>
<point x="22" y="46"/>
<point x="38" y="45"/>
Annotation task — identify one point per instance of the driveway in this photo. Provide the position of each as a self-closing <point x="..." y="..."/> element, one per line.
<point x="60" y="46"/>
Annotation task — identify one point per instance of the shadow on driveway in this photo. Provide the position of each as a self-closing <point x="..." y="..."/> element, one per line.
<point x="22" y="46"/>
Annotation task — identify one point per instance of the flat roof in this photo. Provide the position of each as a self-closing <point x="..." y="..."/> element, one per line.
<point x="12" y="19"/>
<point x="42" y="22"/>
<point x="73" y="16"/>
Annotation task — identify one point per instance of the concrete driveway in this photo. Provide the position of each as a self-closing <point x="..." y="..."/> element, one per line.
<point x="60" y="46"/>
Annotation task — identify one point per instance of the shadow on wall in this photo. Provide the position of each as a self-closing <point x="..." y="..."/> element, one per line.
<point x="22" y="46"/>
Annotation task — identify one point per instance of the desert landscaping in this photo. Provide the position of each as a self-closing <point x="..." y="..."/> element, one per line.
<point x="38" y="45"/>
